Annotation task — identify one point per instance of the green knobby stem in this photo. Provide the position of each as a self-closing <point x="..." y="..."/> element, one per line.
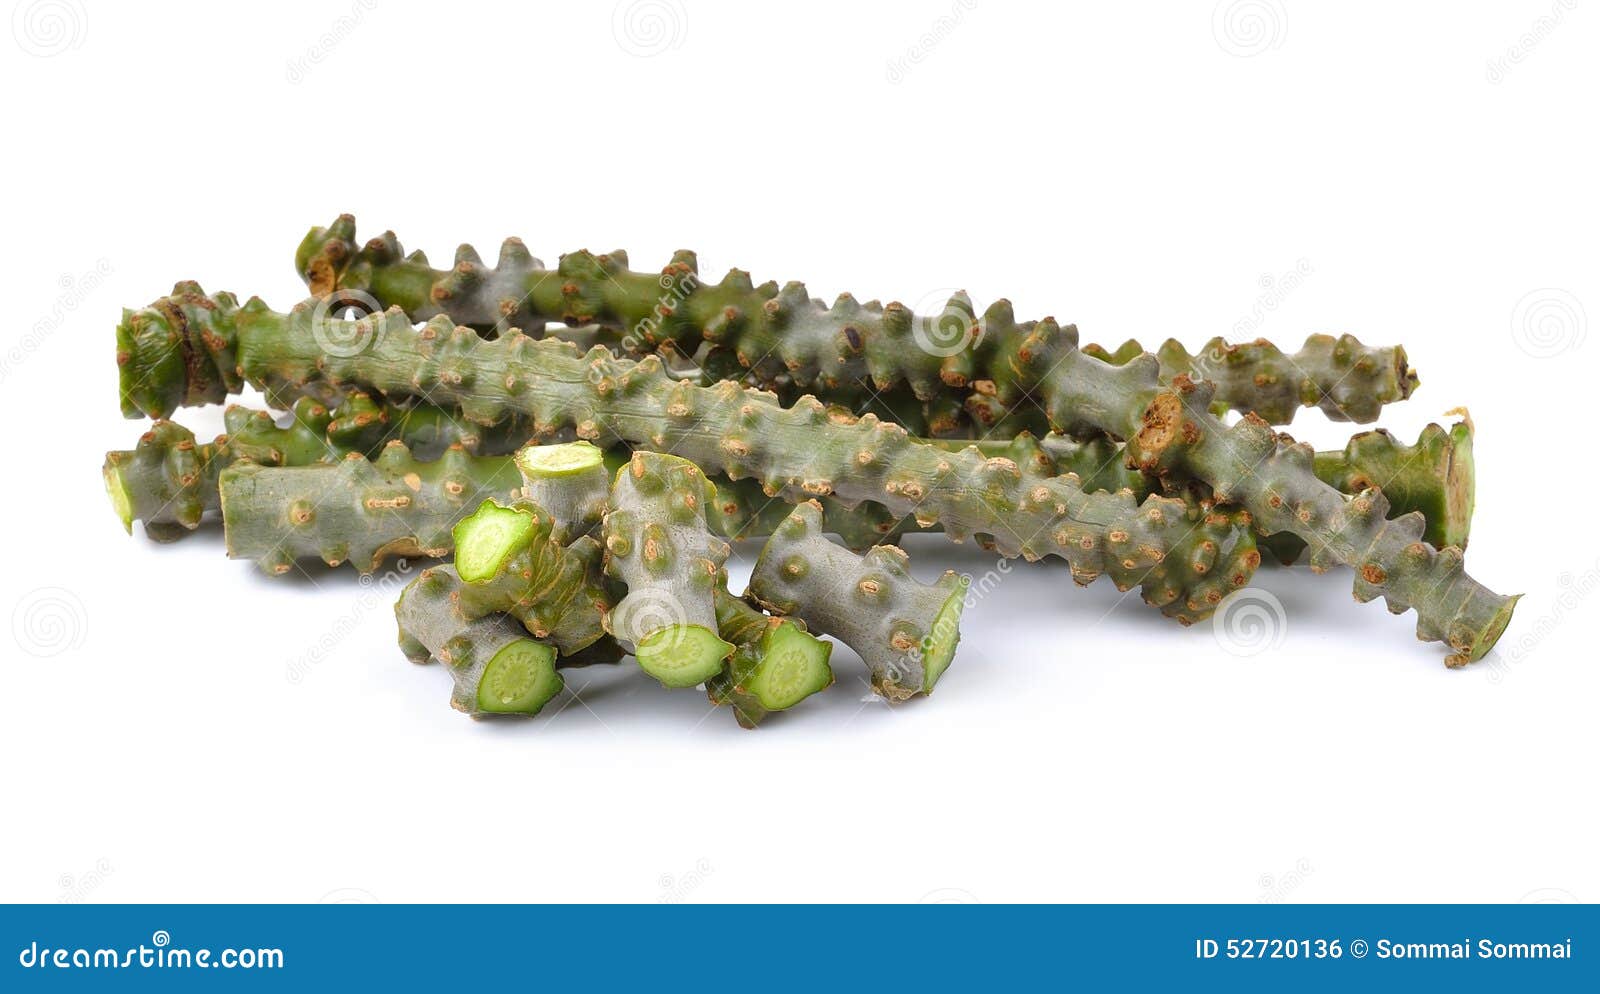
<point x="496" y="665"/>
<point x="1274" y="478"/>
<point x="356" y="510"/>
<point x="1184" y="555"/>
<point x="905" y="631"/>
<point x="777" y="663"/>
<point x="1433" y="477"/>
<point x="1184" y="565"/>
<point x="511" y="560"/>
<point x="169" y="480"/>
<point x="659" y="546"/>
<point x="570" y="480"/>
<point x="782" y="339"/>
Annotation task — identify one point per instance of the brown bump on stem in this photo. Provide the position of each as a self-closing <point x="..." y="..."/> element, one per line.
<point x="985" y="388"/>
<point x="1162" y="420"/>
<point x="388" y="503"/>
<point x="1117" y="535"/>
<point x="413" y="481"/>
<point x="1374" y="574"/>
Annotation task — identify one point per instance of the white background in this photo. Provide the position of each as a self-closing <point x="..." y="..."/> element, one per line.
<point x="1136" y="168"/>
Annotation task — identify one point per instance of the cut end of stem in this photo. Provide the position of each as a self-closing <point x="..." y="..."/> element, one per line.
<point x="543" y="462"/>
<point x="1460" y="476"/>
<point x="682" y="655"/>
<point x="121" y="499"/>
<point x="939" y="648"/>
<point x="486" y="539"/>
<point x="794" y="665"/>
<point x="1490" y="635"/>
<point x="520" y="679"/>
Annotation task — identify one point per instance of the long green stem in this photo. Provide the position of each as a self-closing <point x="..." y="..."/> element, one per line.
<point x="783" y="340"/>
<point x="1184" y="557"/>
<point x="802" y="450"/>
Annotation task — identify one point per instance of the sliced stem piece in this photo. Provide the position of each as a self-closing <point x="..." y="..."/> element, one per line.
<point x="778" y="663"/>
<point x="905" y="631"/>
<point x="658" y="544"/>
<point x="571" y="481"/>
